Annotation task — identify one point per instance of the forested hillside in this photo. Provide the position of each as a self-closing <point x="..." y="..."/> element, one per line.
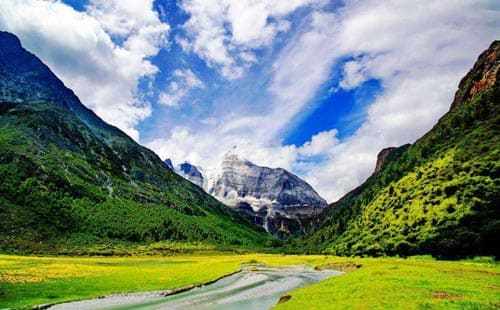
<point x="67" y="177"/>
<point x="440" y="195"/>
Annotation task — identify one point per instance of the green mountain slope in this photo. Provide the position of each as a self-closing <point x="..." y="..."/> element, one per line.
<point x="67" y="176"/>
<point x="440" y="195"/>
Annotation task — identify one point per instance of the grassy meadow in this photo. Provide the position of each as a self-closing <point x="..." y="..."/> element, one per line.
<point x="369" y="283"/>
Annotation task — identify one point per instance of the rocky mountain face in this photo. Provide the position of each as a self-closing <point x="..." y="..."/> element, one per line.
<point x="482" y="77"/>
<point x="169" y="164"/>
<point x="439" y="196"/>
<point x="67" y="175"/>
<point x="382" y="157"/>
<point x="274" y="198"/>
<point x="187" y="171"/>
<point x="191" y="173"/>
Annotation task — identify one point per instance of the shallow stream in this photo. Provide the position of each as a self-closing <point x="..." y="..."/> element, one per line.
<point x="255" y="288"/>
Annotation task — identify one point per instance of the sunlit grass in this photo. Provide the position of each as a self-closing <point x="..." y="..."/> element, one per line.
<point x="405" y="284"/>
<point x="419" y="282"/>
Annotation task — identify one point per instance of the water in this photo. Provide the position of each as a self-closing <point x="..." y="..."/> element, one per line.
<point x="252" y="289"/>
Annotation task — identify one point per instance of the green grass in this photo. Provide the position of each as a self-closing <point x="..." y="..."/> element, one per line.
<point x="380" y="283"/>
<point x="68" y="178"/>
<point x="62" y="185"/>
<point x="405" y="284"/>
<point x="439" y="196"/>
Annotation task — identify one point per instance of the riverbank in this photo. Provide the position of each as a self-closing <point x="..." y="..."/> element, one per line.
<point x="255" y="287"/>
<point x="411" y="283"/>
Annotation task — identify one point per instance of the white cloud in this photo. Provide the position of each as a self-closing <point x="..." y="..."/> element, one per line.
<point x="184" y="81"/>
<point x="207" y="149"/>
<point x="303" y="66"/>
<point x="78" y="47"/>
<point x="224" y="32"/>
<point x="321" y="143"/>
<point x="418" y="50"/>
<point x="354" y="75"/>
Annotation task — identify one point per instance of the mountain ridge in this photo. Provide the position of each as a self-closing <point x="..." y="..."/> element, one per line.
<point x="273" y="197"/>
<point x="69" y="177"/>
<point x="437" y="196"/>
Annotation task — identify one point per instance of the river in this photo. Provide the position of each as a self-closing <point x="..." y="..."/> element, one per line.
<point x="255" y="288"/>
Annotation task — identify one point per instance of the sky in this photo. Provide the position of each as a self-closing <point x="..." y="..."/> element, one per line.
<point x="313" y="86"/>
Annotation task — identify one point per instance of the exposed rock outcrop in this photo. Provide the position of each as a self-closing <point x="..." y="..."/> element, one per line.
<point x="276" y="199"/>
<point x="381" y="158"/>
<point x="483" y="75"/>
<point x="192" y="173"/>
<point x="169" y="164"/>
<point x="187" y="171"/>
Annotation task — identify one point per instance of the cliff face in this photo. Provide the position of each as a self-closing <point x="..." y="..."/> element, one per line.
<point x="438" y="196"/>
<point x="381" y="158"/>
<point x="484" y="75"/>
<point x="275" y="198"/>
<point x="169" y="164"/>
<point x="187" y="171"/>
<point x="191" y="173"/>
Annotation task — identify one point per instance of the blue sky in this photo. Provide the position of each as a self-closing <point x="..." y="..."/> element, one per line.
<point x="314" y="86"/>
<point x="325" y="111"/>
<point x="328" y="109"/>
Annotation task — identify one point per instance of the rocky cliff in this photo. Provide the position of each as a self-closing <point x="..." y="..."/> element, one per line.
<point x="276" y="199"/>
<point x="382" y="157"/>
<point x="187" y="171"/>
<point x="192" y="173"/>
<point x="169" y="164"/>
<point x="483" y="76"/>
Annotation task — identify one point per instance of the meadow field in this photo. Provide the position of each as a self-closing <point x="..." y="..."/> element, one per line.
<point x="368" y="283"/>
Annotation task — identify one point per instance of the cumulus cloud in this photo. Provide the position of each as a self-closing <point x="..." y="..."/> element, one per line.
<point x="207" y="150"/>
<point x="354" y="75"/>
<point x="321" y="143"/>
<point x="224" y="33"/>
<point x="418" y="51"/>
<point x="303" y="66"/>
<point x="184" y="81"/>
<point x="79" y="48"/>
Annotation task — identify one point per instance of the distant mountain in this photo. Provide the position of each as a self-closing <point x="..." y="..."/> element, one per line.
<point x="187" y="171"/>
<point x="191" y="173"/>
<point x="438" y="196"/>
<point x="169" y="164"/>
<point x="274" y="198"/>
<point x="68" y="177"/>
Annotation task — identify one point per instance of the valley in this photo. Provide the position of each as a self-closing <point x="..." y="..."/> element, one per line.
<point x="412" y="283"/>
<point x="252" y="288"/>
<point x="91" y="218"/>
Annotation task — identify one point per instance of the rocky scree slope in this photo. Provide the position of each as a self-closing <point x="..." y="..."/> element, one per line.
<point x="67" y="177"/>
<point x="439" y="196"/>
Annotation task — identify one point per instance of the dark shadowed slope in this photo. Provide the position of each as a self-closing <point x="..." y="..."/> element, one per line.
<point x="440" y="195"/>
<point x="68" y="175"/>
